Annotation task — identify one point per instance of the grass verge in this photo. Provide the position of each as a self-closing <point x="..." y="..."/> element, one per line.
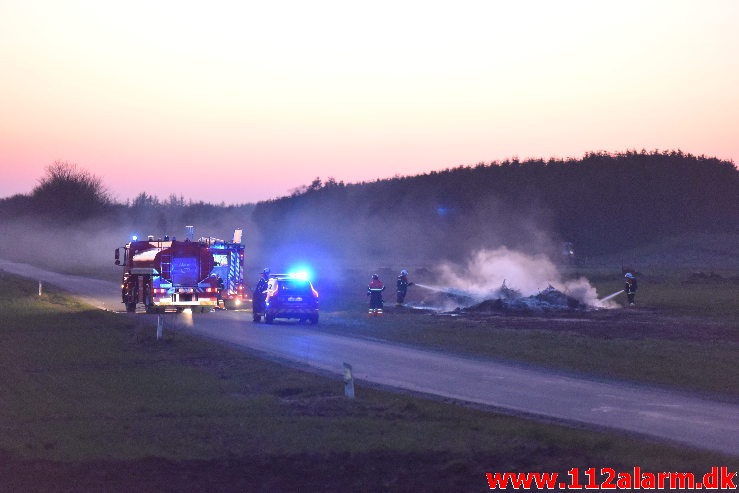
<point x="92" y="402"/>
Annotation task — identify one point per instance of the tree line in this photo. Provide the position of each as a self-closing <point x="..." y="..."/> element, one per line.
<point x="601" y="202"/>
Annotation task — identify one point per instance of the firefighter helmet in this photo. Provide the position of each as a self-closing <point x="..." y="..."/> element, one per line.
<point x="629" y="275"/>
<point x="403" y="272"/>
<point x="375" y="277"/>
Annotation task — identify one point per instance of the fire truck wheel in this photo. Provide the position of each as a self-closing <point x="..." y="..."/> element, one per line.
<point x="131" y="307"/>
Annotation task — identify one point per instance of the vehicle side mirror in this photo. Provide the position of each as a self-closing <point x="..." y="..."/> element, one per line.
<point x="117" y="256"/>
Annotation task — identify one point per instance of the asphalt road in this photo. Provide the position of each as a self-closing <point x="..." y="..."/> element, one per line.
<point x="674" y="416"/>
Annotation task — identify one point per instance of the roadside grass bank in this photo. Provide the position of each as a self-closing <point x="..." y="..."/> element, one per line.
<point x="92" y="402"/>
<point x="680" y="335"/>
<point x="95" y="268"/>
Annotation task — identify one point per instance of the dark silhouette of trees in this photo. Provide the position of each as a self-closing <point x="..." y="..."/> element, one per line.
<point x="67" y="191"/>
<point x="601" y="202"/>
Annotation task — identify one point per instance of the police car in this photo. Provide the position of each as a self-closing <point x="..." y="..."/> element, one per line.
<point x="291" y="296"/>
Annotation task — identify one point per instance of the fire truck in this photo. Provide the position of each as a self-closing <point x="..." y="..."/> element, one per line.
<point x="228" y="268"/>
<point x="166" y="273"/>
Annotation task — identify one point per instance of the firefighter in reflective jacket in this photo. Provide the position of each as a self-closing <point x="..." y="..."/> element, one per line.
<point x="259" y="296"/>
<point x="630" y="287"/>
<point x="374" y="291"/>
<point x="402" y="287"/>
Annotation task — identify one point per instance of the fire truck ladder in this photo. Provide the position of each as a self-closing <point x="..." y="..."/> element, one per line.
<point x="166" y="265"/>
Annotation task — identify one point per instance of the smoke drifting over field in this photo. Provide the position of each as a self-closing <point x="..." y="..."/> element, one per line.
<point x="87" y="247"/>
<point x="482" y="224"/>
<point x="486" y="273"/>
<point x="70" y="223"/>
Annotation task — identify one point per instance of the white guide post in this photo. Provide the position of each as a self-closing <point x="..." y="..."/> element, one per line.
<point x="348" y="381"/>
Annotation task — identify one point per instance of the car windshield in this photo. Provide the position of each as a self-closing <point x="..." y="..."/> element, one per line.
<point x="295" y="286"/>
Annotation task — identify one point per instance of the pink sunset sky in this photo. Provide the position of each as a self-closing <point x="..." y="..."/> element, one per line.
<point x="239" y="101"/>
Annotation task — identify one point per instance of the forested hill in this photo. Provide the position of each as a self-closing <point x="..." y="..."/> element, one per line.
<point x="602" y="203"/>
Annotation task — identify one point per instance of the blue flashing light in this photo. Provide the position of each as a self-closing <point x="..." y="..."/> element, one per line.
<point x="301" y="271"/>
<point x="134" y="238"/>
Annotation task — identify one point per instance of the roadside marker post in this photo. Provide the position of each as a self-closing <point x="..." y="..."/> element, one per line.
<point x="348" y="381"/>
<point x="40" y="288"/>
<point x="160" y="326"/>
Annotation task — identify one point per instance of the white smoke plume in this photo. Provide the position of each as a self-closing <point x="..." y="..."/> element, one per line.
<point x="487" y="270"/>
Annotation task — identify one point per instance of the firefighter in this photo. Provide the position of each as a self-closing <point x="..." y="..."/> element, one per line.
<point x="374" y="291"/>
<point x="402" y="287"/>
<point x="260" y="295"/>
<point x="219" y="287"/>
<point x="630" y="287"/>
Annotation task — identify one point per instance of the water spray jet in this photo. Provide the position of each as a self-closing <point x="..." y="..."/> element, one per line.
<point x="611" y="296"/>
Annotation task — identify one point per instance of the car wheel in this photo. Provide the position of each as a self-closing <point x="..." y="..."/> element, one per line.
<point x="269" y="318"/>
<point x="314" y="319"/>
<point x="257" y="317"/>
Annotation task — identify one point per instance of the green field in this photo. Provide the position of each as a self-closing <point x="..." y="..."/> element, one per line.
<point x="680" y="335"/>
<point x="92" y="402"/>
